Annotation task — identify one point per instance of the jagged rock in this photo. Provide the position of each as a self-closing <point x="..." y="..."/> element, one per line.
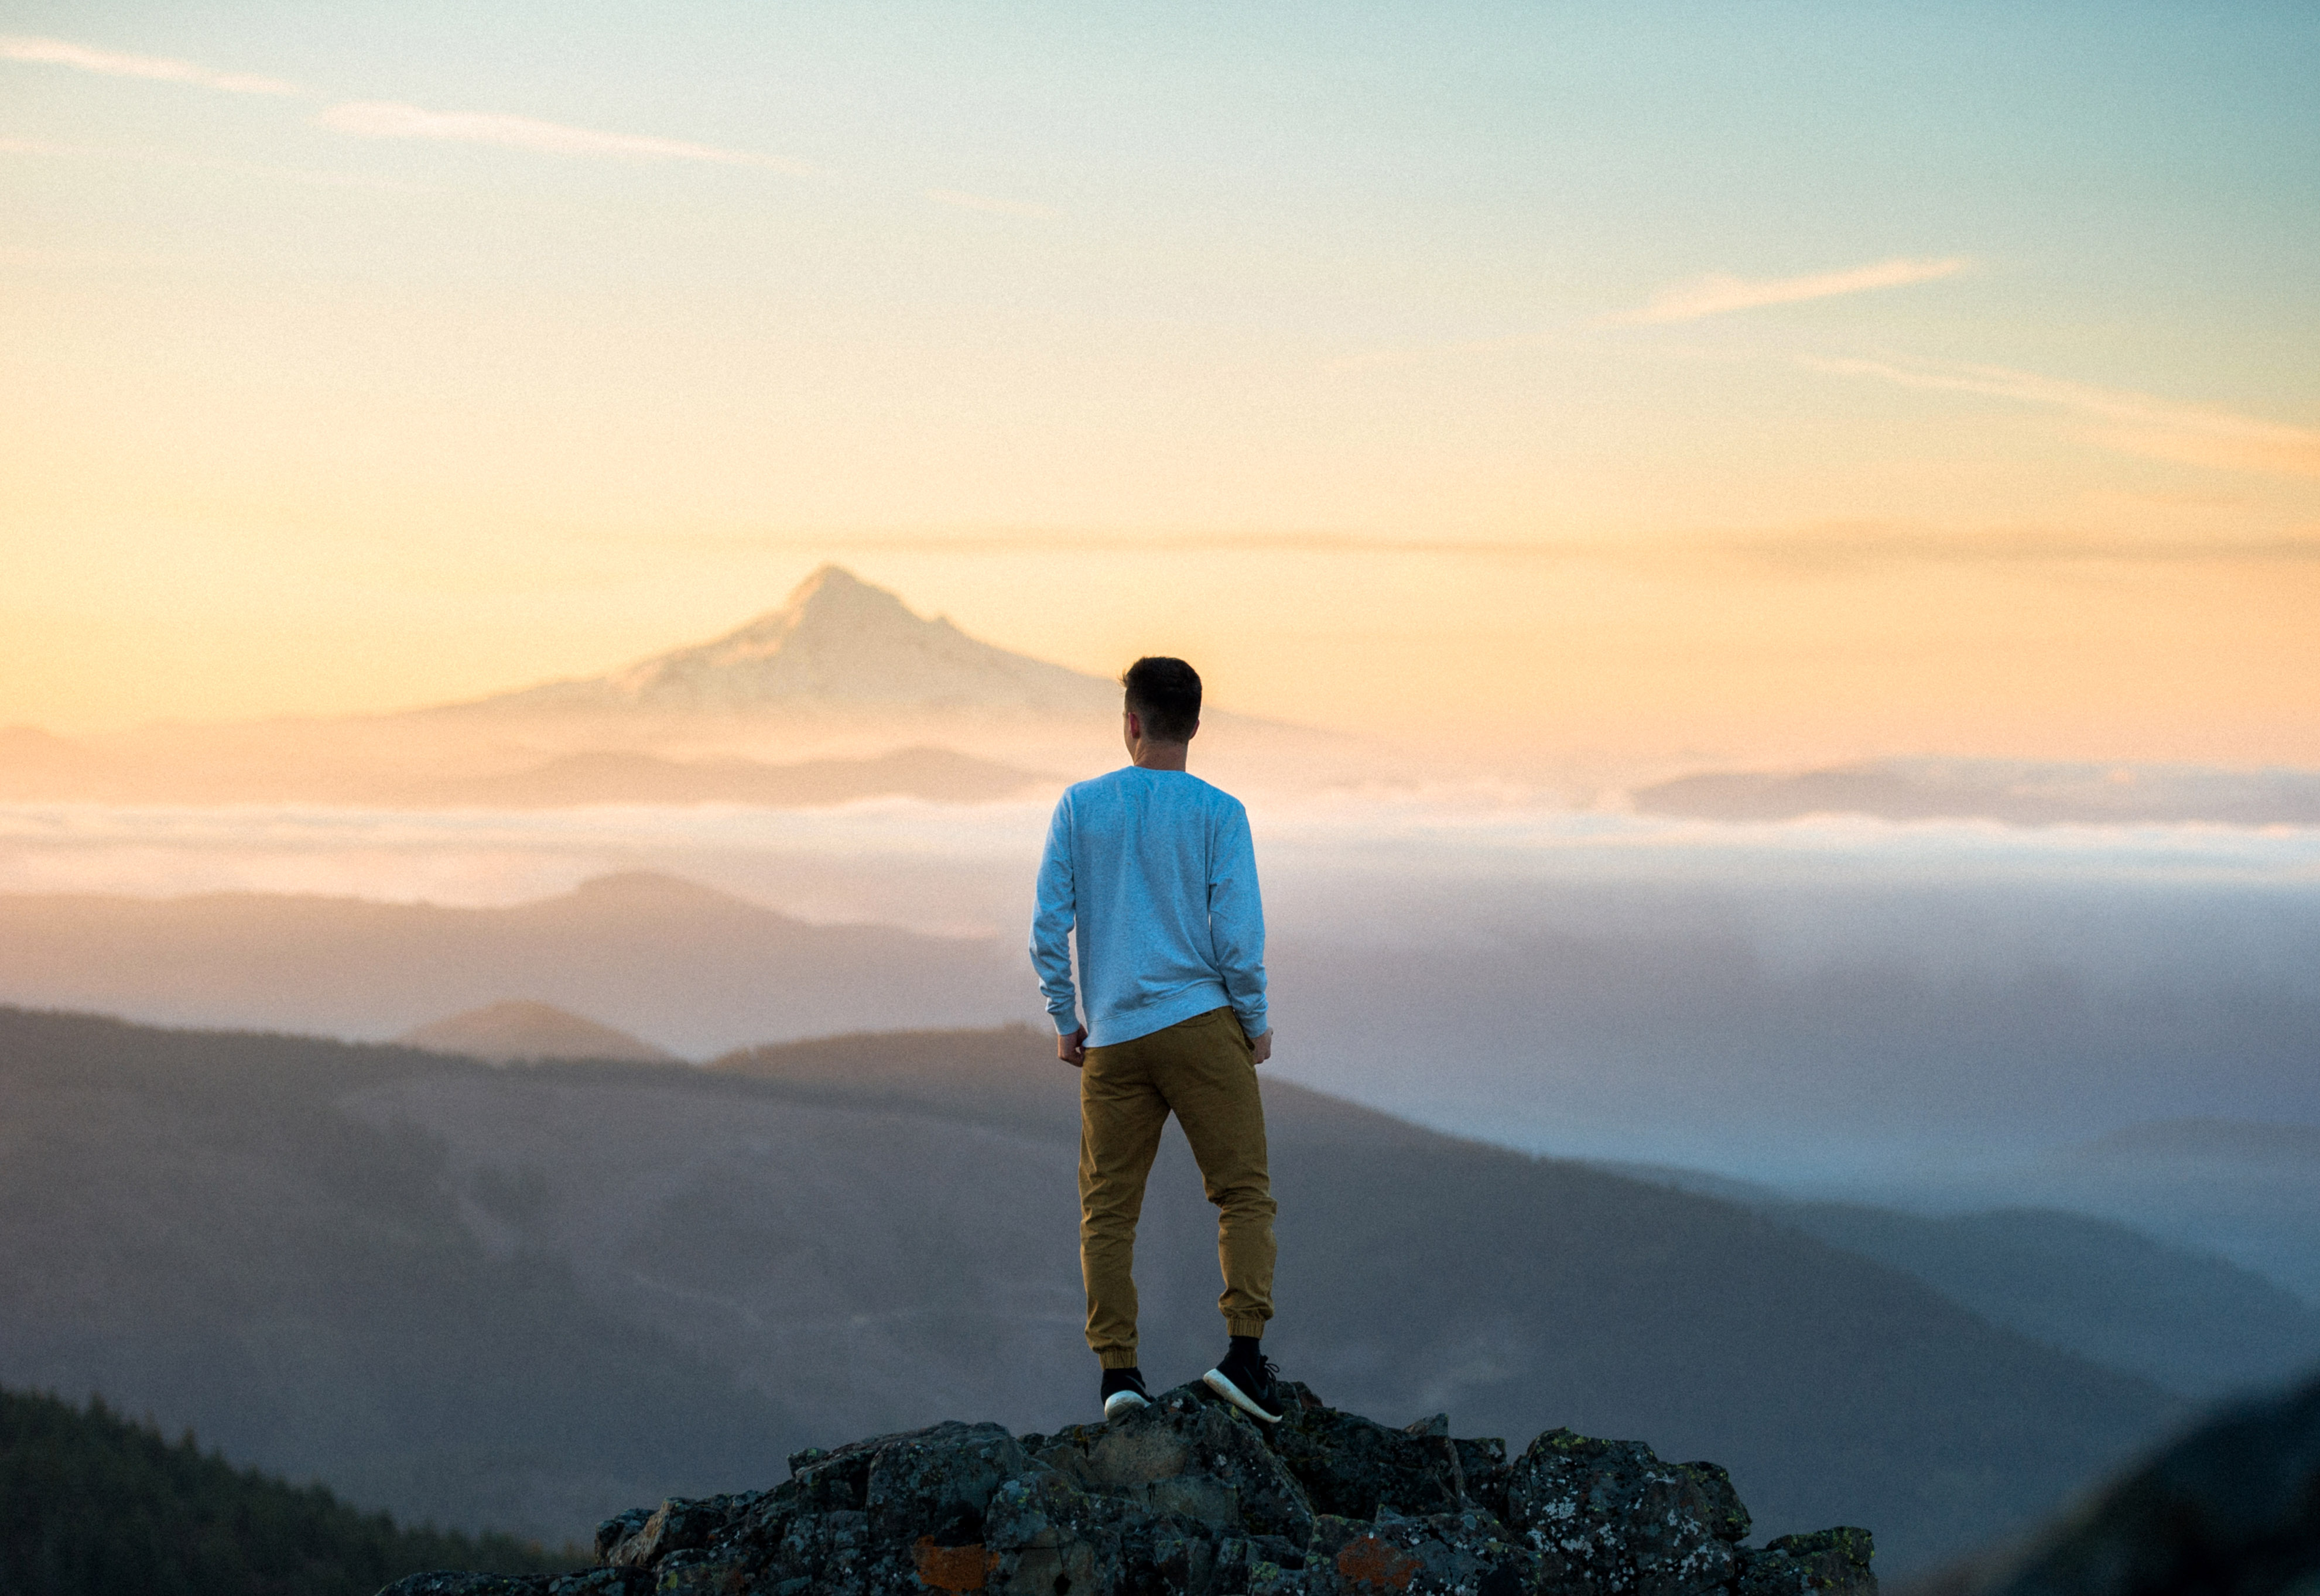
<point x="1609" y="1515"/>
<point x="1828" y="1560"/>
<point x="1190" y="1497"/>
<point x="1190" y="1455"/>
<point x="1353" y="1466"/>
<point x="939" y="1480"/>
<point x="839" y="1478"/>
<point x="1468" y="1554"/>
<point x="618" y="1530"/>
<point x="1482" y="1466"/>
<point x="638" y="1539"/>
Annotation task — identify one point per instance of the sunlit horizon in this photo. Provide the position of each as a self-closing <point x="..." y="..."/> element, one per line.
<point x="1618" y="386"/>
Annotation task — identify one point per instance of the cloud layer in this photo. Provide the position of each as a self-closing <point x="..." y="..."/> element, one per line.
<point x="387" y="119"/>
<point x="63" y="52"/>
<point x="1718" y="294"/>
<point x="2132" y="423"/>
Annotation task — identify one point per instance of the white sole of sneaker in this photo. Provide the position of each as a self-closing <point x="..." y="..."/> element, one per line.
<point x="1215" y="1381"/>
<point x="1121" y="1402"/>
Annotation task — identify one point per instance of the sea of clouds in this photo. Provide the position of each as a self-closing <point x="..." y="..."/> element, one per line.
<point x="1744" y="996"/>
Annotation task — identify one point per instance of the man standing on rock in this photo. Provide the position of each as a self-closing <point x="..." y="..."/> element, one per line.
<point x="1155" y="869"/>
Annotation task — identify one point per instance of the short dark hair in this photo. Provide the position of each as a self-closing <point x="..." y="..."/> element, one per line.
<point x="1165" y="695"/>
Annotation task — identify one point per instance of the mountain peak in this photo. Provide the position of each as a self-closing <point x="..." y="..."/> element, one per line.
<point x="828" y="605"/>
<point x="521" y="1031"/>
<point x="836" y="580"/>
<point x="651" y="889"/>
<point x="837" y="641"/>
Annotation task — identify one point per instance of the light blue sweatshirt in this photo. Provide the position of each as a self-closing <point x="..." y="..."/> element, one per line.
<point x="1155" y="869"/>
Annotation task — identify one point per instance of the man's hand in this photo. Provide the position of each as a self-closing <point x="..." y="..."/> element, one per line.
<point x="1072" y="1048"/>
<point x="1261" y="1049"/>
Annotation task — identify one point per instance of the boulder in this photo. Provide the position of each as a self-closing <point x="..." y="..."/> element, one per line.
<point x="1483" y="1469"/>
<point x="939" y="1482"/>
<point x="1609" y="1515"/>
<point x="638" y="1538"/>
<point x="1189" y="1455"/>
<point x="1190" y="1497"/>
<point x="1834" y="1561"/>
<point x="1465" y="1554"/>
<point x="1353" y="1466"/>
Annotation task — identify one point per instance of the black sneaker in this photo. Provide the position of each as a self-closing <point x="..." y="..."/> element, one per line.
<point x="1123" y="1393"/>
<point x="1245" y="1379"/>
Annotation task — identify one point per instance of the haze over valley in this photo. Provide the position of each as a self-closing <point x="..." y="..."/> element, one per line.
<point x="1939" y="997"/>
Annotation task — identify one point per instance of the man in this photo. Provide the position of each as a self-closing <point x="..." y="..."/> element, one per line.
<point x="1155" y="869"/>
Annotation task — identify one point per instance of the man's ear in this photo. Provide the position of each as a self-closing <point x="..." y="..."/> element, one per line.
<point x="1135" y="725"/>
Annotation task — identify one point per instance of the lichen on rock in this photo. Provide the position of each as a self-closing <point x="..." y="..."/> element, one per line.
<point x="1190" y="1497"/>
<point x="1609" y="1515"/>
<point x="1798" y="1564"/>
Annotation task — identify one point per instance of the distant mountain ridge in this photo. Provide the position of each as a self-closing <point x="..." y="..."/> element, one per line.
<point x="837" y="641"/>
<point x="694" y="969"/>
<point x="529" y="1296"/>
<point x="2189" y="1322"/>
<point x="519" y="1031"/>
<point x="841" y="692"/>
<point x="2183" y="1317"/>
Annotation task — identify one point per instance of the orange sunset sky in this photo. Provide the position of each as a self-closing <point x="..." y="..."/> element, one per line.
<point x="1648" y="384"/>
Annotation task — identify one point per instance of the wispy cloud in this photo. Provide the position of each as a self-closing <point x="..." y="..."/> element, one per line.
<point x="1835" y="547"/>
<point x="386" y="119"/>
<point x="1877" y="545"/>
<point x="114" y="63"/>
<point x="996" y="207"/>
<point x="1719" y="295"/>
<point x="2124" y="419"/>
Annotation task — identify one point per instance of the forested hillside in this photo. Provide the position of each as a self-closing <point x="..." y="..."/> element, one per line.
<point x="92" y="1504"/>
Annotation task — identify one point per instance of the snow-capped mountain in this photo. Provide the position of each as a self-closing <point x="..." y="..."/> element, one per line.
<point x="837" y="642"/>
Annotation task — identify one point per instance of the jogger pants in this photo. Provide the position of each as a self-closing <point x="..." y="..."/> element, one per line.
<point x="1204" y="1071"/>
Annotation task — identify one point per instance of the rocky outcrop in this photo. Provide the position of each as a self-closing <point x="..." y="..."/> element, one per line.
<point x="1189" y="1496"/>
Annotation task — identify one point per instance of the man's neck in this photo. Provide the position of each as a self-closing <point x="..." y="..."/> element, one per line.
<point x="1148" y="754"/>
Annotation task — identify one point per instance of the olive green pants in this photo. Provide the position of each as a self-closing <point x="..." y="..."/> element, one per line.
<point x="1203" y="1071"/>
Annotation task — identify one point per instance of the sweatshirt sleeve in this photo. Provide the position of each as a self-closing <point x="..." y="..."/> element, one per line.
<point x="1236" y="920"/>
<point x="1052" y="920"/>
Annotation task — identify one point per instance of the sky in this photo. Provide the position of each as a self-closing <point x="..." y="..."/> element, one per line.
<point x="1767" y="383"/>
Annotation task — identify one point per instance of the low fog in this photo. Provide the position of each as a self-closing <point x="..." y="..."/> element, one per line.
<point x="1806" y="1001"/>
